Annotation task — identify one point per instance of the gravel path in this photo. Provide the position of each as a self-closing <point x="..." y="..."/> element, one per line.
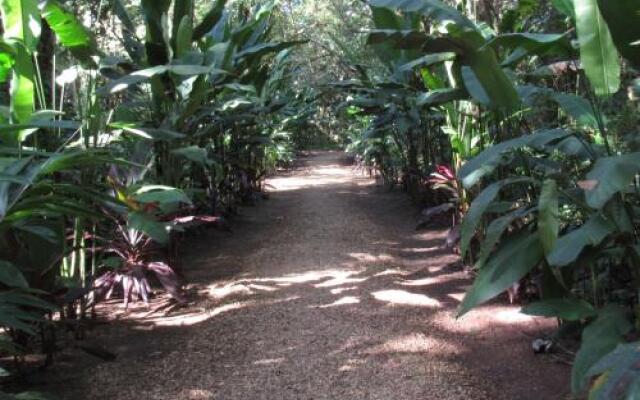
<point x="323" y="292"/>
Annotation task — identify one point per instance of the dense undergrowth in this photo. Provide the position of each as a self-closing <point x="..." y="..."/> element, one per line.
<point x="519" y="120"/>
<point x="125" y="124"/>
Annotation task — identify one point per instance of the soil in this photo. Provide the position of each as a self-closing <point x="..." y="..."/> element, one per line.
<point x="325" y="291"/>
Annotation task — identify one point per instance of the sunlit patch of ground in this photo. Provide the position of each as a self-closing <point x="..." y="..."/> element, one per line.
<point x="488" y="317"/>
<point x="414" y="343"/>
<point x="402" y="297"/>
<point x="342" y="301"/>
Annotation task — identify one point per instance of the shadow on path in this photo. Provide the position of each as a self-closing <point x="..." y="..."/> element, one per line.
<point x="324" y="292"/>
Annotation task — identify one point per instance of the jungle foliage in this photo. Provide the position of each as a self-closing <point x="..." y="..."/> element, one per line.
<point x="122" y="128"/>
<point x="519" y="121"/>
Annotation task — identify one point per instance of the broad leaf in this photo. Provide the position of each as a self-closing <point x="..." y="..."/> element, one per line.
<point x="21" y="21"/>
<point x="622" y="19"/>
<point x="565" y="308"/>
<point x="548" y="226"/>
<point x="210" y="20"/>
<point x="434" y="9"/>
<point x="569" y="246"/>
<point x="11" y="276"/>
<point x="619" y="374"/>
<point x="597" y="52"/>
<point x="610" y="175"/>
<point x="598" y="338"/>
<point x="152" y="228"/>
<point x="478" y="207"/>
<point x="69" y="31"/>
<point x="486" y="162"/>
<point x="518" y="255"/>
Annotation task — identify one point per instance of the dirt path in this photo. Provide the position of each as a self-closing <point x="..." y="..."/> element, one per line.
<point x="323" y="292"/>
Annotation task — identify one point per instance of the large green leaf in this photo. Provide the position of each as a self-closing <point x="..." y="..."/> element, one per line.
<point x="11" y="276"/>
<point x="548" y="226"/>
<point x="609" y="176"/>
<point x="565" y="308"/>
<point x="479" y="206"/>
<point x="576" y="107"/>
<point x="145" y="75"/>
<point x="69" y="31"/>
<point x="568" y="247"/>
<point x="495" y="230"/>
<point x="439" y="96"/>
<point x="145" y="223"/>
<point x="598" y="338"/>
<point x="565" y="7"/>
<point x="22" y="87"/>
<point x="262" y="49"/>
<point x="485" y="81"/>
<point x="534" y="43"/>
<point x="434" y="9"/>
<point x="487" y="161"/>
<point x="428" y="60"/>
<point x="518" y="255"/>
<point x="597" y="52"/>
<point x="210" y="20"/>
<point x="622" y="17"/>
<point x="21" y="21"/>
<point x="619" y="374"/>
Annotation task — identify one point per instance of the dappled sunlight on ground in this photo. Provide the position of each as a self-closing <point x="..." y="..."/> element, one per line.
<point x="326" y="292"/>
<point x="197" y="317"/>
<point x="415" y="343"/>
<point x="317" y="177"/>
<point x="488" y="318"/>
<point x="402" y="297"/>
<point x="342" y="301"/>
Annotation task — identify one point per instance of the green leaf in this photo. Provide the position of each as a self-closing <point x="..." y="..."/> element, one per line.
<point x="622" y="19"/>
<point x="488" y="83"/>
<point x="12" y="276"/>
<point x="262" y="49"/>
<point x="533" y="43"/>
<point x="144" y="75"/>
<point x="487" y="161"/>
<point x="569" y="246"/>
<point x="598" y="338"/>
<point x="434" y="9"/>
<point x="167" y="197"/>
<point x="41" y="124"/>
<point x="69" y="31"/>
<point x="576" y="107"/>
<point x="210" y="20"/>
<point x="184" y="37"/>
<point x="518" y="255"/>
<point x="597" y="52"/>
<point x="610" y="175"/>
<point x="22" y="86"/>
<point x="548" y="226"/>
<point x="495" y="230"/>
<point x="193" y="153"/>
<point x="567" y="309"/>
<point x="619" y="374"/>
<point x="429" y="59"/>
<point x="149" y="226"/>
<point x="439" y="96"/>
<point x="565" y="7"/>
<point x="21" y="21"/>
<point x="478" y="207"/>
